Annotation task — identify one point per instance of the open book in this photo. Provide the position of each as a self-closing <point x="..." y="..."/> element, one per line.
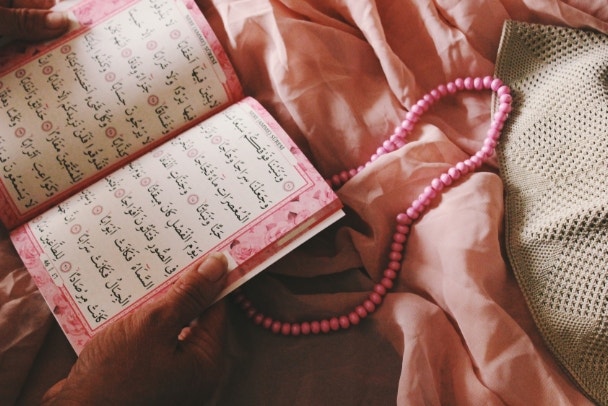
<point x="127" y="151"/>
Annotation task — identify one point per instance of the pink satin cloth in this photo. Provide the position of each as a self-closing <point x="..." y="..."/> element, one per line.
<point x="339" y="76"/>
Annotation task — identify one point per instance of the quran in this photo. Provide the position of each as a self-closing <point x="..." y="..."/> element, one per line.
<point x="128" y="151"/>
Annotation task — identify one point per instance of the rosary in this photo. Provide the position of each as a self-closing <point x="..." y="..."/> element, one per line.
<point x="403" y="220"/>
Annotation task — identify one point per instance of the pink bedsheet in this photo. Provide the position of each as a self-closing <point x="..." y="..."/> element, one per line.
<point x="339" y="75"/>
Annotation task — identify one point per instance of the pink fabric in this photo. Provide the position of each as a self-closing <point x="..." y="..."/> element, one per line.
<point x="339" y="75"/>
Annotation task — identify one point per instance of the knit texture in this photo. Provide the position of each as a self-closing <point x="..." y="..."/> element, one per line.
<point x="553" y="158"/>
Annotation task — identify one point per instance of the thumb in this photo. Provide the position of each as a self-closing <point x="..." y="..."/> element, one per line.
<point x="32" y="24"/>
<point x="193" y="292"/>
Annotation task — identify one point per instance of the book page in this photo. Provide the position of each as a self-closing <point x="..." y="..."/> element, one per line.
<point x="235" y="183"/>
<point x="134" y="73"/>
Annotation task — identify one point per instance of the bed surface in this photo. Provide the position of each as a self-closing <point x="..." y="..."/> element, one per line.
<point x="339" y="76"/>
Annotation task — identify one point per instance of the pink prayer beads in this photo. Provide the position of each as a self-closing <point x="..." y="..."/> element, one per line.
<point x="404" y="219"/>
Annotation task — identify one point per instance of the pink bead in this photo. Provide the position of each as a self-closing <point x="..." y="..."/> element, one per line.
<point x="442" y="90"/>
<point x="373" y="158"/>
<point x="459" y="83"/>
<point x="276" y="327"/>
<point x="478" y="83"/>
<point x="429" y="193"/>
<point x="451" y="87"/>
<point x="435" y="94"/>
<point x="251" y="312"/>
<point x="402" y="229"/>
<point x="490" y="142"/>
<point x="493" y="134"/>
<point x="412" y="213"/>
<point x="437" y="185"/>
<point x="487" y="150"/>
<point x="505" y="108"/>
<point x="245" y="304"/>
<point x="468" y="83"/>
<point x="503" y="90"/>
<point x="390" y="273"/>
<point x="334" y="324"/>
<point x="267" y="323"/>
<point x="407" y="125"/>
<point x="487" y="82"/>
<point x="285" y="329"/>
<point x="462" y="168"/>
<point x="416" y="109"/>
<point x="500" y="116"/>
<point x="369" y="306"/>
<point x="476" y="161"/>
<point x="470" y="164"/>
<point x="336" y="180"/>
<point x="446" y="179"/>
<point x="305" y="328"/>
<point x="496" y="84"/>
<point x="380" y="151"/>
<point x="395" y="256"/>
<point x="389" y="146"/>
<point x="325" y="327"/>
<point x="258" y="319"/>
<point x="506" y="98"/>
<point x="354" y="318"/>
<point x="399" y="238"/>
<point x="429" y="99"/>
<point x="412" y="117"/>
<point x="396" y="247"/>
<point x="315" y="327"/>
<point x="344" y="176"/>
<point x="352" y="172"/>
<point x="295" y="329"/>
<point x="454" y="173"/>
<point x="360" y="168"/>
<point x="380" y="289"/>
<point x="361" y="312"/>
<point x="375" y="298"/>
<point x="344" y="322"/>
<point x="394" y="265"/>
<point x="403" y="219"/>
<point x="387" y="283"/>
<point x="424" y="105"/>
<point x="417" y="205"/>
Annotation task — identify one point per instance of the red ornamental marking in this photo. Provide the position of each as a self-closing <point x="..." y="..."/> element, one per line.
<point x="110" y="77"/>
<point x="192" y="153"/>
<point x="65" y="49"/>
<point x="193" y="199"/>
<point x="97" y="210"/>
<point x="47" y="126"/>
<point x="75" y="229"/>
<point x="145" y="181"/>
<point x="216" y="140"/>
<point x="119" y="193"/>
<point x="65" y="266"/>
<point x="288" y="186"/>
<point x="175" y="34"/>
<point x="47" y="70"/>
<point x="111" y="132"/>
<point x="125" y="53"/>
<point x="153" y="100"/>
<point x="19" y="132"/>
<point x="20" y="73"/>
<point x="151" y="45"/>
<point x="157" y="153"/>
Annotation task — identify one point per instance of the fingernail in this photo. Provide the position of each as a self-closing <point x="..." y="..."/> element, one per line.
<point x="55" y="20"/>
<point x="213" y="267"/>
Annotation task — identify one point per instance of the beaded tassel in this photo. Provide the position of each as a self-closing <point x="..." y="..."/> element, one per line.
<point x="404" y="220"/>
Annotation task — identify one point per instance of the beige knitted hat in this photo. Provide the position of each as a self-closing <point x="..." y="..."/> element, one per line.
<point x="554" y="162"/>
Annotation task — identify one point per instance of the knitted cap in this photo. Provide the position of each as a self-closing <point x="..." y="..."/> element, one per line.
<point x="553" y="159"/>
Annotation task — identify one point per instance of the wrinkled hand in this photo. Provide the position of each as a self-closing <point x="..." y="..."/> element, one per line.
<point x="149" y="357"/>
<point x="31" y="20"/>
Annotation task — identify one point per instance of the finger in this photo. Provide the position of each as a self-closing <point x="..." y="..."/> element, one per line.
<point x="50" y="394"/>
<point x="40" y="4"/>
<point x="192" y="293"/>
<point x="32" y="25"/>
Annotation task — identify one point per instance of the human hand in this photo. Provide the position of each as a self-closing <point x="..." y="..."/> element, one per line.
<point x="31" y="20"/>
<point x="148" y="357"/>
